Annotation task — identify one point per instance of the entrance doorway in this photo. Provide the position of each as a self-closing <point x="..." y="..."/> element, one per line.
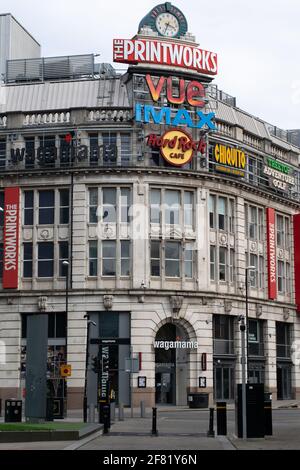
<point x="284" y="382"/>
<point x="171" y="371"/>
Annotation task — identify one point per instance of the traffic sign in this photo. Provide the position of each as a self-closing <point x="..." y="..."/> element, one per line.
<point x="66" y="370"/>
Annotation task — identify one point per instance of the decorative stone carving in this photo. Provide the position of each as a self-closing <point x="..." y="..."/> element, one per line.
<point x="42" y="304"/>
<point x="176" y="304"/>
<point x="223" y="239"/>
<point x="108" y="301"/>
<point x="258" y="310"/>
<point x="253" y="246"/>
<point x="286" y="313"/>
<point x="227" y="306"/>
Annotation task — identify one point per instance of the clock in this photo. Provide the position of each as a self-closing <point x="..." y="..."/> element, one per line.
<point x="166" y="20"/>
<point x="167" y="25"/>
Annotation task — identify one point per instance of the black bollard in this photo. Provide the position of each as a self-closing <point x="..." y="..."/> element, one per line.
<point x="268" y="416"/>
<point x="221" y="419"/>
<point x="154" y="422"/>
<point x="106" y="419"/>
<point x="211" y="432"/>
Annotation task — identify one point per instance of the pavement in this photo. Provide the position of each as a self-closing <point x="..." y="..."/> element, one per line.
<point x="179" y="428"/>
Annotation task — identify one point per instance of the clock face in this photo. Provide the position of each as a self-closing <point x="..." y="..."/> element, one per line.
<point x="167" y="24"/>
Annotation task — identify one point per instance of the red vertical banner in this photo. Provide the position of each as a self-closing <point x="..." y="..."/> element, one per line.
<point x="296" y="223"/>
<point x="11" y="238"/>
<point x="271" y="247"/>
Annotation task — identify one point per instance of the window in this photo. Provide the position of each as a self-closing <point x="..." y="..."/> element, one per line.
<point x="93" y="205"/>
<point x="261" y="272"/>
<point x="283" y="339"/>
<point x="231" y="266"/>
<point x="223" y="334"/>
<point x="212" y="263"/>
<point x="172" y="259"/>
<point x="172" y="206"/>
<point x="45" y="259"/>
<point x="222" y="263"/>
<point x="155" y="203"/>
<point x="109" y="148"/>
<point x="253" y="273"/>
<point x="255" y="338"/>
<point x="212" y="211"/>
<point x="94" y="148"/>
<point x="64" y="202"/>
<point x="280" y="277"/>
<point x="125" y="148"/>
<point x="29" y="152"/>
<point x="280" y="231"/>
<point x="288" y="278"/>
<point x="2" y="153"/>
<point x="231" y="216"/>
<point x="125" y="258"/>
<point x="253" y="223"/>
<point x="28" y="207"/>
<point x="1" y="260"/>
<point x="261" y="227"/>
<point x="188" y="260"/>
<point x="46" y="207"/>
<point x="109" y="258"/>
<point x="49" y="151"/>
<point x="155" y="258"/>
<point x="221" y="213"/>
<point x="109" y="204"/>
<point x="27" y="260"/>
<point x="287" y="233"/>
<point x="63" y="256"/>
<point x="125" y="205"/>
<point x="93" y="258"/>
<point x="57" y="325"/>
<point x="188" y="208"/>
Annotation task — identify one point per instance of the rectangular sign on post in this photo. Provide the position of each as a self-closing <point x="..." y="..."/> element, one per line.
<point x="271" y="246"/>
<point x="11" y="238"/>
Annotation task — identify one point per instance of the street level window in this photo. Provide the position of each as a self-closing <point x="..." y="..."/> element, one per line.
<point x="93" y="258"/>
<point x="109" y="258"/>
<point x="27" y="260"/>
<point x="63" y="256"/>
<point x="64" y="203"/>
<point x="45" y="259"/>
<point x="223" y="334"/>
<point x="46" y="207"/>
<point x="172" y="259"/>
<point x="283" y="340"/>
<point x="28" y="207"/>
<point x="255" y="338"/>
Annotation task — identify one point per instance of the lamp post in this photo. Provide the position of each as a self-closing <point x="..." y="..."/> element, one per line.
<point x="244" y="405"/>
<point x="87" y="355"/>
<point x="248" y="268"/>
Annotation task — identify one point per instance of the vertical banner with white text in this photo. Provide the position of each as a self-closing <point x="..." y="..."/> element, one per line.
<point x="271" y="246"/>
<point x="11" y="238"/>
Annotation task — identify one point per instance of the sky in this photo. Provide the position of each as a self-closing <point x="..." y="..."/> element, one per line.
<point x="257" y="42"/>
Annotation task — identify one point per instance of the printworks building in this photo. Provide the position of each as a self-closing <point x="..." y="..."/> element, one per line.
<point x="144" y="199"/>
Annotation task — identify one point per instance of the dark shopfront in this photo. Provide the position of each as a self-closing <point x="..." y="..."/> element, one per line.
<point x="114" y="326"/>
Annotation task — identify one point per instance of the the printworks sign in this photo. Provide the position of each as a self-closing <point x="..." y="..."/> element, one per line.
<point x="229" y="160"/>
<point x="11" y="238"/>
<point x="271" y="249"/>
<point x="280" y="175"/>
<point x="165" y="52"/>
<point x="176" y="146"/>
<point x="175" y="92"/>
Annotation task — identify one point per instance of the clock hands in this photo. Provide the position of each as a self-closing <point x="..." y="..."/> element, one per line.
<point x="169" y="26"/>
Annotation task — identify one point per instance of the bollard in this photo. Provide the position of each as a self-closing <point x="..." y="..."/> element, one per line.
<point x="268" y="418"/>
<point x="143" y="410"/>
<point x="106" y="419"/>
<point x="221" y="419"/>
<point x="113" y="411"/>
<point x="121" y="412"/>
<point x="91" y="413"/>
<point x="154" y="422"/>
<point x="211" y="432"/>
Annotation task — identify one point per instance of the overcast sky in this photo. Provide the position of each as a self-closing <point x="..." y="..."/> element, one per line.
<point x="257" y="42"/>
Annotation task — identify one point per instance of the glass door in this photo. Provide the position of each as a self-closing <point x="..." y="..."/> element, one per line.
<point x="224" y="382"/>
